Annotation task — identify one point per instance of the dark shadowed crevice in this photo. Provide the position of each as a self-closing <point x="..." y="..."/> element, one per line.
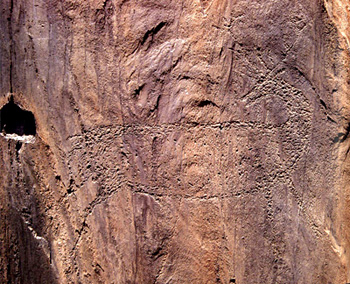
<point x="152" y="32"/>
<point x="204" y="103"/>
<point x="14" y="120"/>
<point x="9" y="19"/>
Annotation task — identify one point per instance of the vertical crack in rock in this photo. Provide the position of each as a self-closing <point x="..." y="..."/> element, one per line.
<point x="9" y="19"/>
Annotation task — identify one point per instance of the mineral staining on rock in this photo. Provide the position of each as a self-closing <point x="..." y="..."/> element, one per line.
<point x="175" y="142"/>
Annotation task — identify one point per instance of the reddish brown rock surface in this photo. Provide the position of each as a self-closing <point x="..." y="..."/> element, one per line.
<point x="176" y="142"/>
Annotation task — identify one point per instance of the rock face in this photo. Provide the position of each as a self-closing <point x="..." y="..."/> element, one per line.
<point x="176" y="141"/>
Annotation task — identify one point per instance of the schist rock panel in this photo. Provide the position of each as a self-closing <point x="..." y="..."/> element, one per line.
<point x="174" y="141"/>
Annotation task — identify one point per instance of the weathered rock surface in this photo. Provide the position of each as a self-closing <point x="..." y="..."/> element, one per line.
<point x="176" y="141"/>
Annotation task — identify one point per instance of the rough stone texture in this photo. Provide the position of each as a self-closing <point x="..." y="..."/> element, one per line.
<point x="177" y="141"/>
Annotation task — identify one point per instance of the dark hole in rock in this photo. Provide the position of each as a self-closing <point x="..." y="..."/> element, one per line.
<point x="205" y="103"/>
<point x="18" y="146"/>
<point x="15" y="120"/>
